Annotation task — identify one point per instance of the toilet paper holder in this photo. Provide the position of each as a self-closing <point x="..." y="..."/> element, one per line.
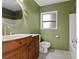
<point x="57" y="36"/>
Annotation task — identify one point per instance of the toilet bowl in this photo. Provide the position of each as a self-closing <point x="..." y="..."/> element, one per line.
<point x="44" y="46"/>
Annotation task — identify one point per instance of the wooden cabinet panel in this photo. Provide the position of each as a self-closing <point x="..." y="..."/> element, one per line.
<point x="11" y="55"/>
<point x="15" y="44"/>
<point x="36" y="44"/>
<point x="24" y="48"/>
<point x="10" y="45"/>
<point x="24" y="52"/>
<point x="25" y="40"/>
<point x="34" y="48"/>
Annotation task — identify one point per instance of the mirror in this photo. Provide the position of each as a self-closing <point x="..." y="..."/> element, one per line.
<point x="11" y="12"/>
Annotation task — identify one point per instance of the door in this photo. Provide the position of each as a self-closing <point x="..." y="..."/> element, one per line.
<point x="72" y="35"/>
<point x="24" y="52"/>
<point x="11" y="55"/>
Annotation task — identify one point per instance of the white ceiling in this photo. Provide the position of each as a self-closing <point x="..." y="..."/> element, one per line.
<point x="48" y="2"/>
<point x="14" y="6"/>
<point x="11" y="5"/>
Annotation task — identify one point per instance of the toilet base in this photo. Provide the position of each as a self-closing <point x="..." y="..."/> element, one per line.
<point x="43" y="50"/>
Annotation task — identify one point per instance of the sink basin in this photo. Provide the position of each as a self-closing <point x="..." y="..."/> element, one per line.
<point x="13" y="37"/>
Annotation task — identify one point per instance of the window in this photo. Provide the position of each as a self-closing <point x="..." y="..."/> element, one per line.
<point x="49" y="20"/>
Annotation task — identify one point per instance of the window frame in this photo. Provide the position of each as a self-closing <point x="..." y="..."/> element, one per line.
<point x="41" y="23"/>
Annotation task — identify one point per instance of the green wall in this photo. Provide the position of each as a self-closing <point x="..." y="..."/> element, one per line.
<point x="64" y="9"/>
<point x="33" y="17"/>
<point x="29" y="23"/>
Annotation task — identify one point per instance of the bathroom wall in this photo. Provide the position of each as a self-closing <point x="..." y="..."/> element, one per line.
<point x="33" y="16"/>
<point x="64" y="9"/>
<point x="29" y="23"/>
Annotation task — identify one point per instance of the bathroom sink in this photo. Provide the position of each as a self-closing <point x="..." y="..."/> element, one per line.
<point x="13" y="37"/>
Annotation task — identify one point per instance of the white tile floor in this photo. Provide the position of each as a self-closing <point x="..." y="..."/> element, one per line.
<point x="55" y="54"/>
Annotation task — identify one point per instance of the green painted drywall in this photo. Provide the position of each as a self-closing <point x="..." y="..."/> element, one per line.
<point x="64" y="9"/>
<point x="30" y="22"/>
<point x="34" y="16"/>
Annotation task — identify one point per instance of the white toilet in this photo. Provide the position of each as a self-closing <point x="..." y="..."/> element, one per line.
<point x="44" y="45"/>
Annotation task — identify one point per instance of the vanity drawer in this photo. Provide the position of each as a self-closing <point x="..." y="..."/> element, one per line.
<point x="25" y="40"/>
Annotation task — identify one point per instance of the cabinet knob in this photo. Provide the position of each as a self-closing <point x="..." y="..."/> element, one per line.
<point x="20" y="42"/>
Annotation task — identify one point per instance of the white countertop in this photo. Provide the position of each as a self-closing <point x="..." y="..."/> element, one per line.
<point x="16" y="36"/>
<point x="28" y="34"/>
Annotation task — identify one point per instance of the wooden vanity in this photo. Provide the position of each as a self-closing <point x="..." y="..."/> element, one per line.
<point x="22" y="48"/>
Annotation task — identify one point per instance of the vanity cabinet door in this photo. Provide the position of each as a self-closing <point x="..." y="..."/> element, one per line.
<point x="34" y="48"/>
<point x="24" y="52"/>
<point x="11" y="55"/>
<point x="24" y="49"/>
<point x="31" y="54"/>
<point x="36" y="45"/>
